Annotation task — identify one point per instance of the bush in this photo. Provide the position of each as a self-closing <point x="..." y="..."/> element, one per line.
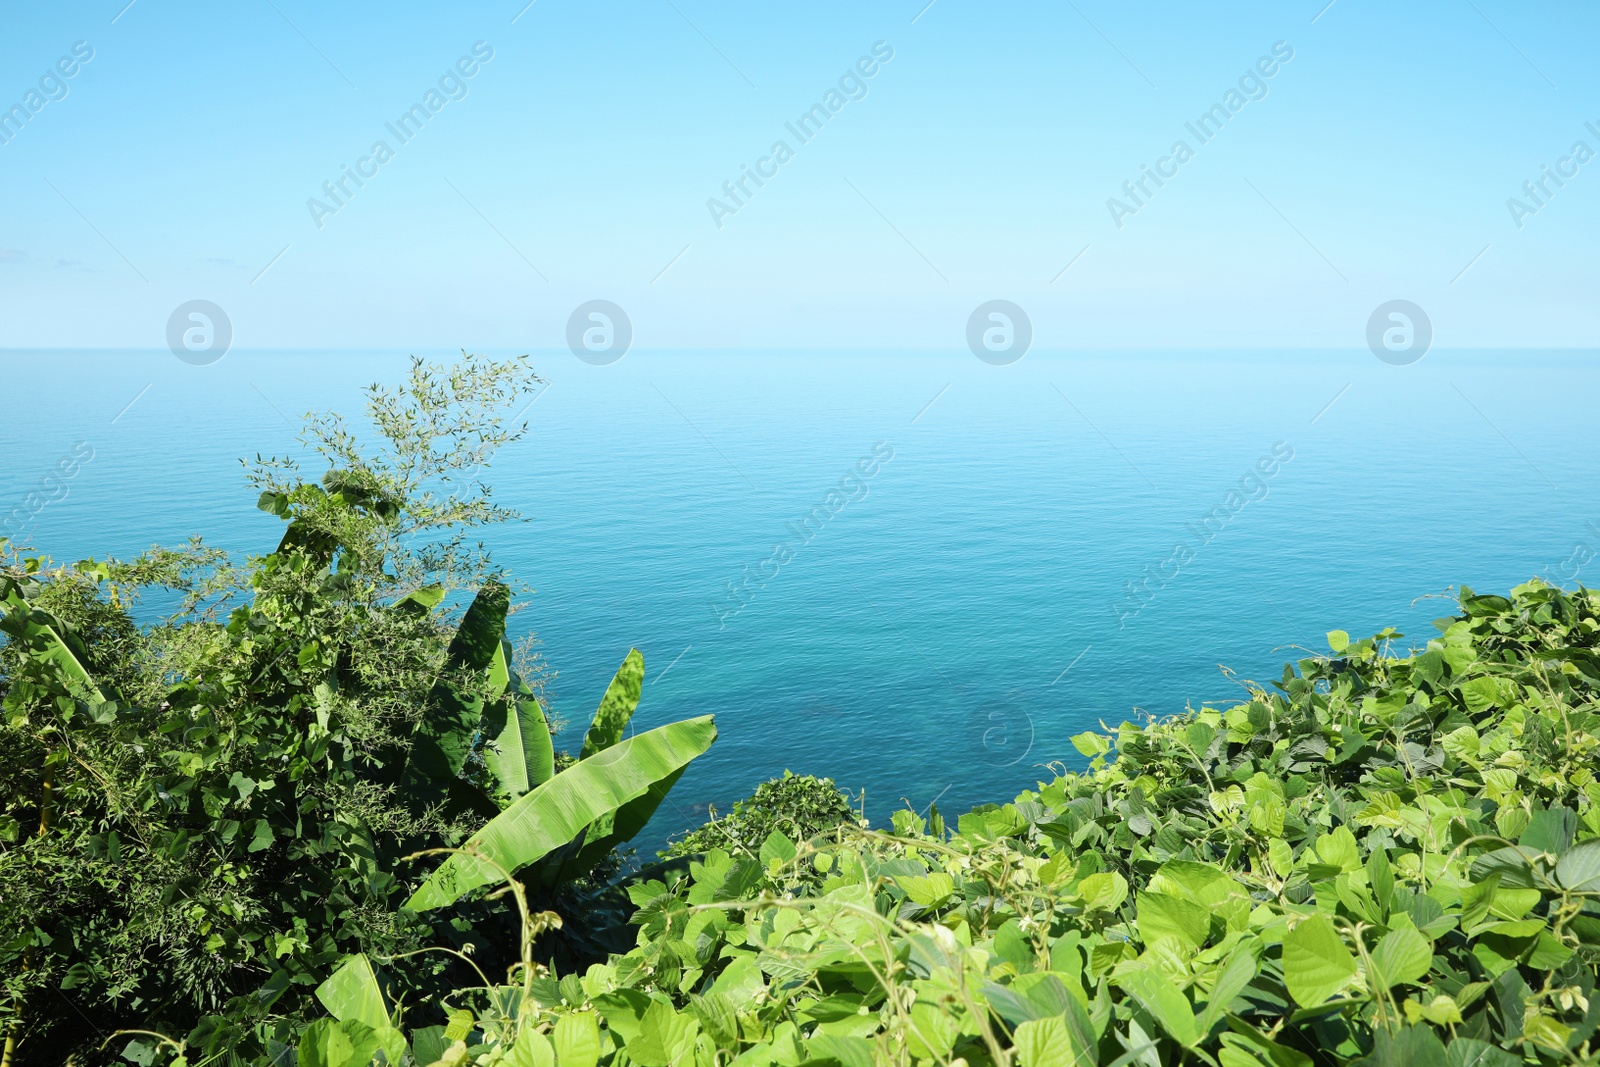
<point x="797" y="806"/>
<point x="200" y="818"/>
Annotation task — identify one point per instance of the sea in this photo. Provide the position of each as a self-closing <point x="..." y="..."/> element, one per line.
<point x="918" y="574"/>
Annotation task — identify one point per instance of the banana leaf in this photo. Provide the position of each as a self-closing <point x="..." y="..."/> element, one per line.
<point x="609" y="831"/>
<point x="48" y="638"/>
<point x="352" y="995"/>
<point x="556" y="812"/>
<point x="616" y="707"/>
<point x="443" y="739"/>
<point x="420" y="601"/>
<point x="522" y="755"/>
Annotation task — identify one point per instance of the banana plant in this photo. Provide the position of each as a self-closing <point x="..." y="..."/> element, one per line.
<point x="55" y="664"/>
<point x="564" y="823"/>
<point x="49" y="641"/>
<point x="477" y="697"/>
<point x="55" y="667"/>
<point x="520" y="756"/>
<point x="570" y="821"/>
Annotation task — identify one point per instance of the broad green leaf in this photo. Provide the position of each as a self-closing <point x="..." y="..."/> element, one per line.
<point x="1550" y="830"/>
<point x="1411" y="1046"/>
<point x="428" y="1044"/>
<point x="1316" y="963"/>
<point x="1513" y="864"/>
<point x="777" y="849"/>
<point x="719" y="1019"/>
<point x="1200" y="883"/>
<point x="1091" y="744"/>
<point x="1199" y="735"/>
<point x="532" y="1050"/>
<point x="1380" y="877"/>
<point x="664" y="1037"/>
<point x="1052" y="1043"/>
<point x="624" y="1011"/>
<point x="346" y="1043"/>
<point x="1246" y="1036"/>
<point x="1083" y="1035"/>
<point x="928" y="891"/>
<point x="1281" y="857"/>
<point x="460" y="1025"/>
<point x="933" y="1031"/>
<point x="557" y="811"/>
<point x="421" y="600"/>
<point x="1463" y="743"/>
<point x="1141" y="1048"/>
<point x="616" y="707"/>
<point x="454" y="708"/>
<point x="1470" y="1052"/>
<point x="1161" y="915"/>
<point x="1402" y="957"/>
<point x="1338" y="640"/>
<point x="614" y="828"/>
<point x="1579" y="867"/>
<point x="1477" y="899"/>
<point x="1513" y="903"/>
<point x="1011" y="946"/>
<point x="1339" y="849"/>
<point x="1501" y="787"/>
<point x="49" y="638"/>
<point x="1440" y="1011"/>
<point x="1236" y="975"/>
<point x="741" y="980"/>
<point x="848" y="1051"/>
<point x="1480" y="694"/>
<point x="1165" y="1002"/>
<point x="1105" y="890"/>
<point x="1548" y="953"/>
<point x="352" y="992"/>
<point x="1014" y="1006"/>
<point x="522" y="754"/>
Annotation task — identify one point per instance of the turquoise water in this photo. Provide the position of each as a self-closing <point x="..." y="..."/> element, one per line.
<point x="942" y="626"/>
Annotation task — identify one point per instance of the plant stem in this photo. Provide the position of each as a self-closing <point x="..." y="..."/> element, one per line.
<point x="44" y="800"/>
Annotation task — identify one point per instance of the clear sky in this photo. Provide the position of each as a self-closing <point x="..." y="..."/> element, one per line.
<point x="976" y="162"/>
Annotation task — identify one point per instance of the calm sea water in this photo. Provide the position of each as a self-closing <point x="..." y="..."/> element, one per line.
<point x="940" y="627"/>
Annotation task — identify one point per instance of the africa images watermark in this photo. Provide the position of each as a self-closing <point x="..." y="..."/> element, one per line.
<point x="52" y="85"/>
<point x="452" y="85"/>
<point x="1252" y="85"/>
<point x="852" y="487"/>
<point x="52" y="488"/>
<point x="1566" y="572"/>
<point x="1576" y="157"/>
<point x="852" y="85"/>
<point x="1253" y="486"/>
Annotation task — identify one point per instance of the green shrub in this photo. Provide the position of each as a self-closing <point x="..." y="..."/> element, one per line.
<point x="797" y="806"/>
<point x="199" y="819"/>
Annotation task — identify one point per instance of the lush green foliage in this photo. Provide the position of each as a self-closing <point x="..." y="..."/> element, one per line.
<point x="799" y="807"/>
<point x="1387" y="860"/>
<point x="200" y="818"/>
<point x="295" y="811"/>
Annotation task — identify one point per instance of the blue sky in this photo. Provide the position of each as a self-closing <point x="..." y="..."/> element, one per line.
<point x="579" y="162"/>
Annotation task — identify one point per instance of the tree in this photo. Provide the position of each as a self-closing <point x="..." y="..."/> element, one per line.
<point x="203" y="814"/>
